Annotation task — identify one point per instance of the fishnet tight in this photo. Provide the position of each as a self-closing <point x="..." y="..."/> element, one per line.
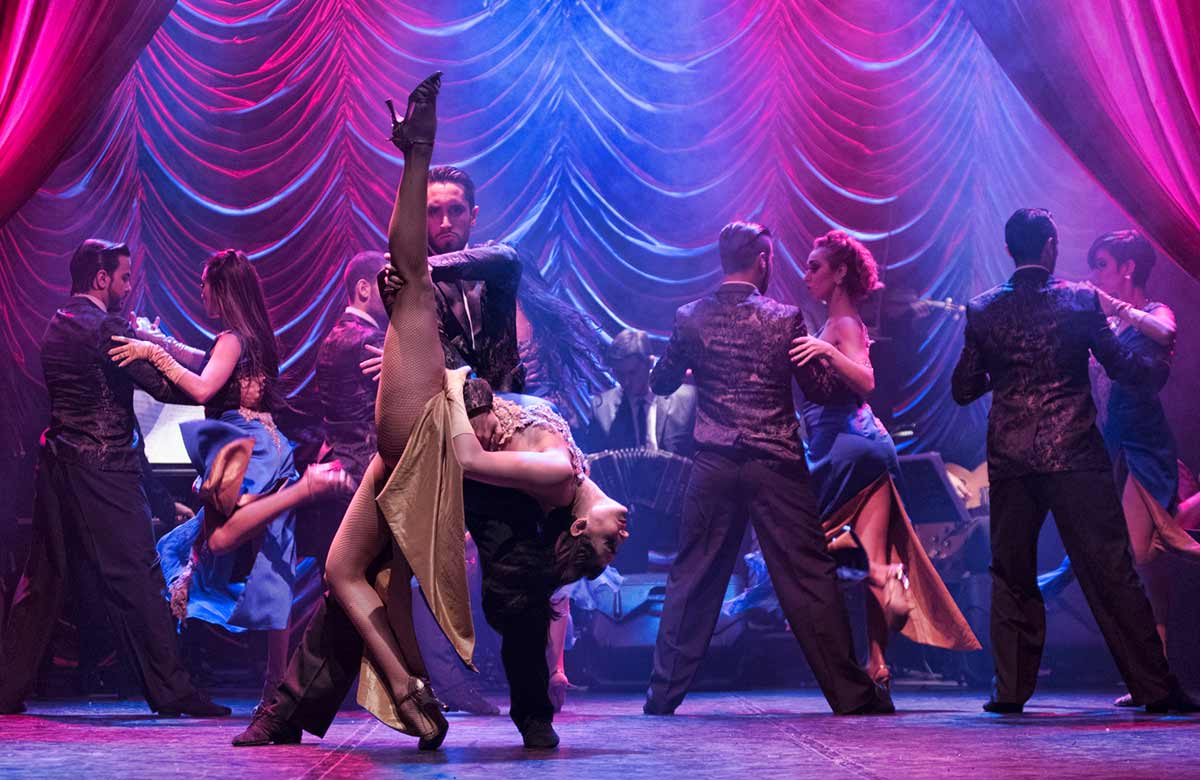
<point x="412" y="373"/>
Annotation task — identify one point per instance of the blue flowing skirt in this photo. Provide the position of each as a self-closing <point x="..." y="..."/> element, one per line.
<point x="847" y="450"/>
<point x="221" y="592"/>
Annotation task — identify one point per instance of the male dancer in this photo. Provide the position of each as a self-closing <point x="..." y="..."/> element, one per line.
<point x="476" y="287"/>
<point x="90" y="516"/>
<point x="749" y="465"/>
<point x="1027" y="341"/>
<point x="347" y="396"/>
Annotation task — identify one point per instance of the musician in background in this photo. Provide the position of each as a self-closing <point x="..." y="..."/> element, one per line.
<point x="630" y="415"/>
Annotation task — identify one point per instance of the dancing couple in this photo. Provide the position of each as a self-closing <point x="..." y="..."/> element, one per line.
<point x="448" y="452"/>
<point x="1027" y="342"/>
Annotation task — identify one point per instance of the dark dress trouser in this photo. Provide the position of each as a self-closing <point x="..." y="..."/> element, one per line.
<point x="326" y="663"/>
<point x="723" y="493"/>
<point x="1090" y="521"/>
<point x="93" y="524"/>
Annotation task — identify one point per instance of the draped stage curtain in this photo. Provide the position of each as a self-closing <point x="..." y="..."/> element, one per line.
<point x="611" y="139"/>
<point x="1119" y="82"/>
<point x="60" y="61"/>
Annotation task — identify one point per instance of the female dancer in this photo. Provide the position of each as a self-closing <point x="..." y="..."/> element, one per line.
<point x="1135" y="426"/>
<point x="250" y="481"/>
<point x="412" y="493"/>
<point x="853" y="462"/>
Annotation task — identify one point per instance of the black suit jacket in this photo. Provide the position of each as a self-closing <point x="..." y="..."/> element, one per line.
<point x="477" y="297"/>
<point x="736" y="343"/>
<point x="476" y="293"/>
<point x="91" y="399"/>
<point x="1027" y="341"/>
<point x="347" y="396"/>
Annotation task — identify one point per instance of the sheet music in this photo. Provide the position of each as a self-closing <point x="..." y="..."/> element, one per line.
<point x="160" y="426"/>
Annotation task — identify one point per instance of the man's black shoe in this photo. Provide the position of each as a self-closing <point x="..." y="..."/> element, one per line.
<point x="1003" y="707"/>
<point x="880" y="705"/>
<point x="12" y="707"/>
<point x="651" y="707"/>
<point x="1175" y="701"/>
<point x="267" y="728"/>
<point x="196" y="705"/>
<point x="539" y="734"/>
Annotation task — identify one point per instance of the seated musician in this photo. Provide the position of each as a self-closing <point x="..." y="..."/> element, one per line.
<point x="630" y="415"/>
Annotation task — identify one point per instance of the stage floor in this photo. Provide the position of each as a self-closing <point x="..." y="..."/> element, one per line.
<point x="751" y="735"/>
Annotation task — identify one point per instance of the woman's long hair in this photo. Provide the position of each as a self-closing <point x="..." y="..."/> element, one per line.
<point x="238" y="298"/>
<point x="568" y="343"/>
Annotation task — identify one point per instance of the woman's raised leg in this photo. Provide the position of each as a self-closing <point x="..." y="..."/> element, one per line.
<point x="359" y="539"/>
<point x="413" y="366"/>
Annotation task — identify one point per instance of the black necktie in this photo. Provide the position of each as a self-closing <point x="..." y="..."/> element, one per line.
<point x="639" y="422"/>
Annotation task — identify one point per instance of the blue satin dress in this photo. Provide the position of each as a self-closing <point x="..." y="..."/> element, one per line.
<point x="1138" y="439"/>
<point x="1135" y="428"/>
<point x="847" y="449"/>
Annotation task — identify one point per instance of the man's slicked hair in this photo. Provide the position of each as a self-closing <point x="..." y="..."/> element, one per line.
<point x="740" y="244"/>
<point x="364" y="265"/>
<point x="1026" y="233"/>
<point x="452" y="175"/>
<point x="93" y="256"/>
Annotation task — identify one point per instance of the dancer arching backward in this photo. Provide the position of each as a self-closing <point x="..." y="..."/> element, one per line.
<point x="853" y="461"/>
<point x="412" y="492"/>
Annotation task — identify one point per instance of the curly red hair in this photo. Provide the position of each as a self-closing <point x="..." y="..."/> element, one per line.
<point x="862" y="273"/>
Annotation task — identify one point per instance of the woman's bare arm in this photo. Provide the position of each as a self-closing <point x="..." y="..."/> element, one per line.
<point x="544" y="467"/>
<point x="225" y="355"/>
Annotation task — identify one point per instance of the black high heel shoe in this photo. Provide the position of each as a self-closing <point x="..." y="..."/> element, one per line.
<point x="421" y="698"/>
<point x="419" y="125"/>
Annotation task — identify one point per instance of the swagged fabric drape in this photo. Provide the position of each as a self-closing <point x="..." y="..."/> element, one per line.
<point x="1119" y="82"/>
<point x="611" y="139"/>
<point x="59" y="62"/>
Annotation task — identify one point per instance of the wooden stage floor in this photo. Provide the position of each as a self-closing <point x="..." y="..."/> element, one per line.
<point x="741" y="735"/>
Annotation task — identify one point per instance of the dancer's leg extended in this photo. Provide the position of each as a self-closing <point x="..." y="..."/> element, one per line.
<point x="412" y="373"/>
<point x="363" y="534"/>
<point x="413" y="362"/>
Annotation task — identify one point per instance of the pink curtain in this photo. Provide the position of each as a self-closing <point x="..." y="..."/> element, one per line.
<point x="1119" y="82"/>
<point x="60" y="61"/>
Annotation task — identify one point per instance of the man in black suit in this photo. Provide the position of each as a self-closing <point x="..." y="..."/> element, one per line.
<point x="749" y="466"/>
<point x="347" y="395"/>
<point x="476" y="287"/>
<point x="1027" y="342"/>
<point x="630" y="415"/>
<point x="91" y="520"/>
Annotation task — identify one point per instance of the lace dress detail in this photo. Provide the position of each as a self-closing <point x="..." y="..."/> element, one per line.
<point x="513" y="418"/>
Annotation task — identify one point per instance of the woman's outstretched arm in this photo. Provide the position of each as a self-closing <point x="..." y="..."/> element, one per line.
<point x="546" y="463"/>
<point x="521" y="470"/>
<point x="255" y="511"/>
<point x="200" y="387"/>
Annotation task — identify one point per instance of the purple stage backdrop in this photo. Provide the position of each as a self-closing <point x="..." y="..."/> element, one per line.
<point x="610" y="138"/>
